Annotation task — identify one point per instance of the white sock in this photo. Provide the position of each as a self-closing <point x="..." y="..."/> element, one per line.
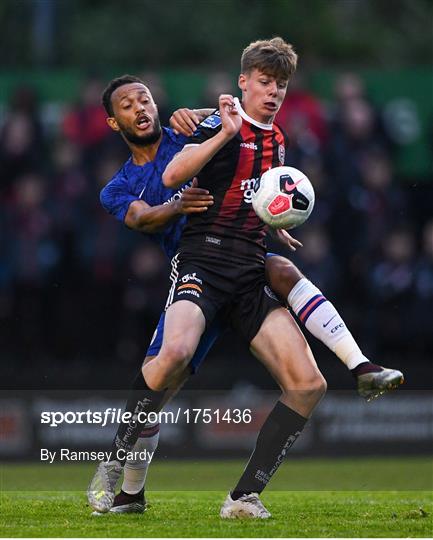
<point x="325" y="323"/>
<point x="135" y="471"/>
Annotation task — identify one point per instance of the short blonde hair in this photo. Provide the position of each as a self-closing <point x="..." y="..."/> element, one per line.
<point x="273" y="56"/>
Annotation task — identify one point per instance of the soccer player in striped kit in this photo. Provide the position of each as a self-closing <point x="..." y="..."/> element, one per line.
<point x="129" y="205"/>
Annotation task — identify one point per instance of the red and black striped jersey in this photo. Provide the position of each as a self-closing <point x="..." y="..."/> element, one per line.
<point x="231" y="225"/>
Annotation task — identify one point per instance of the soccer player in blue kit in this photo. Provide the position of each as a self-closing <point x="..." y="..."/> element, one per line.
<point x="137" y="197"/>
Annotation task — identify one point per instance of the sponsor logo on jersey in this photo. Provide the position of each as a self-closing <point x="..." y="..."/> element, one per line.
<point x="249" y="145"/>
<point x="212" y="121"/>
<point x="247" y="186"/>
<point x="281" y="153"/>
<point x="191" y="277"/>
<point x="178" y="193"/>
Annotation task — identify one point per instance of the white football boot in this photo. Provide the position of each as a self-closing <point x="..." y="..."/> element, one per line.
<point x="374" y="384"/>
<point x="102" y="488"/>
<point x="247" y="506"/>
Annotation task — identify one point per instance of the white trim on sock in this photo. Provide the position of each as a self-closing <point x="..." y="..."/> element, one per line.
<point x="135" y="471"/>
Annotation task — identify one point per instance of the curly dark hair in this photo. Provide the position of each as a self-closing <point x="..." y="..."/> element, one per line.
<point x="112" y="86"/>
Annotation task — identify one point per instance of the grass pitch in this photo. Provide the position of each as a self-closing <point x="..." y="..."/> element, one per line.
<point x="335" y="512"/>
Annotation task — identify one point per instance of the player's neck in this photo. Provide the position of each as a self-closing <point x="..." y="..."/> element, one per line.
<point x="144" y="154"/>
<point x="251" y="115"/>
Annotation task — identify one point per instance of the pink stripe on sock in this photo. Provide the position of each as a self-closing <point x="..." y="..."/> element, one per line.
<point x="311" y="308"/>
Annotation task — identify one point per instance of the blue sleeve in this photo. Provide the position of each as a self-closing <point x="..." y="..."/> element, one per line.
<point x="207" y="129"/>
<point x="116" y="197"/>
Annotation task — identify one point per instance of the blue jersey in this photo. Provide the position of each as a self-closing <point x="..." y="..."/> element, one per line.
<point x="144" y="182"/>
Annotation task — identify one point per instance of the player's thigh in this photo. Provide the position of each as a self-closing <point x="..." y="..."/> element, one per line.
<point x="283" y="349"/>
<point x="183" y="326"/>
<point x="281" y="274"/>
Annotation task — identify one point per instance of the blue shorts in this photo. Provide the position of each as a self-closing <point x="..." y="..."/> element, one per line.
<point x="207" y="340"/>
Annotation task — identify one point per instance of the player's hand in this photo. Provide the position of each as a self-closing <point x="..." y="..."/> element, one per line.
<point x="194" y="200"/>
<point x="286" y="239"/>
<point x="230" y="118"/>
<point x="184" y="121"/>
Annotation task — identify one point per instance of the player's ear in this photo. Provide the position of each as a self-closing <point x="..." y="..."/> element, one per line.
<point x="111" y="121"/>
<point x="242" y="82"/>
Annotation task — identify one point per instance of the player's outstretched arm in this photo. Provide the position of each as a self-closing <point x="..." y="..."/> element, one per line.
<point x="185" y="121"/>
<point x="192" y="159"/>
<point x="152" y="219"/>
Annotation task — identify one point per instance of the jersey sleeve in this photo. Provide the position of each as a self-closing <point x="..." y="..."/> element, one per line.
<point x="208" y="128"/>
<point x="116" y="197"/>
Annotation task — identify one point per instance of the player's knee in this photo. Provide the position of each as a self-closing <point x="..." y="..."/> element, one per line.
<point x="319" y="385"/>
<point x="312" y="384"/>
<point x="282" y="275"/>
<point x="177" y="354"/>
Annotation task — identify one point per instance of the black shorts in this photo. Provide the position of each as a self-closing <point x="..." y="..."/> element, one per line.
<point x="240" y="294"/>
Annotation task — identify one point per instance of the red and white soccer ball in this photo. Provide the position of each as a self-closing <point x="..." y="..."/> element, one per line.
<point x="283" y="198"/>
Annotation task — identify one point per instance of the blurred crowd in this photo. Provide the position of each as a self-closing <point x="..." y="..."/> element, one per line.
<point x="80" y="294"/>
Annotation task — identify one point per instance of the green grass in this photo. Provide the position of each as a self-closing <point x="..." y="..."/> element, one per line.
<point x="399" y="512"/>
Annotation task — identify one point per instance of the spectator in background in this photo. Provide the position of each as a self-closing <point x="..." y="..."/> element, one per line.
<point x="35" y="251"/>
<point x="217" y="83"/>
<point x="84" y="125"/>
<point x="349" y="88"/>
<point x="34" y="254"/>
<point x="324" y="187"/>
<point x="317" y="260"/>
<point x="142" y="298"/>
<point x="391" y="283"/>
<point x="303" y="119"/>
<point x="348" y="144"/>
<point x="424" y="293"/>
<point x="372" y="206"/>
<point x="22" y="141"/>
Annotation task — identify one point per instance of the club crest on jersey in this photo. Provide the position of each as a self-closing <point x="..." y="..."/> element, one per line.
<point x="281" y="153"/>
<point x="212" y="121"/>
